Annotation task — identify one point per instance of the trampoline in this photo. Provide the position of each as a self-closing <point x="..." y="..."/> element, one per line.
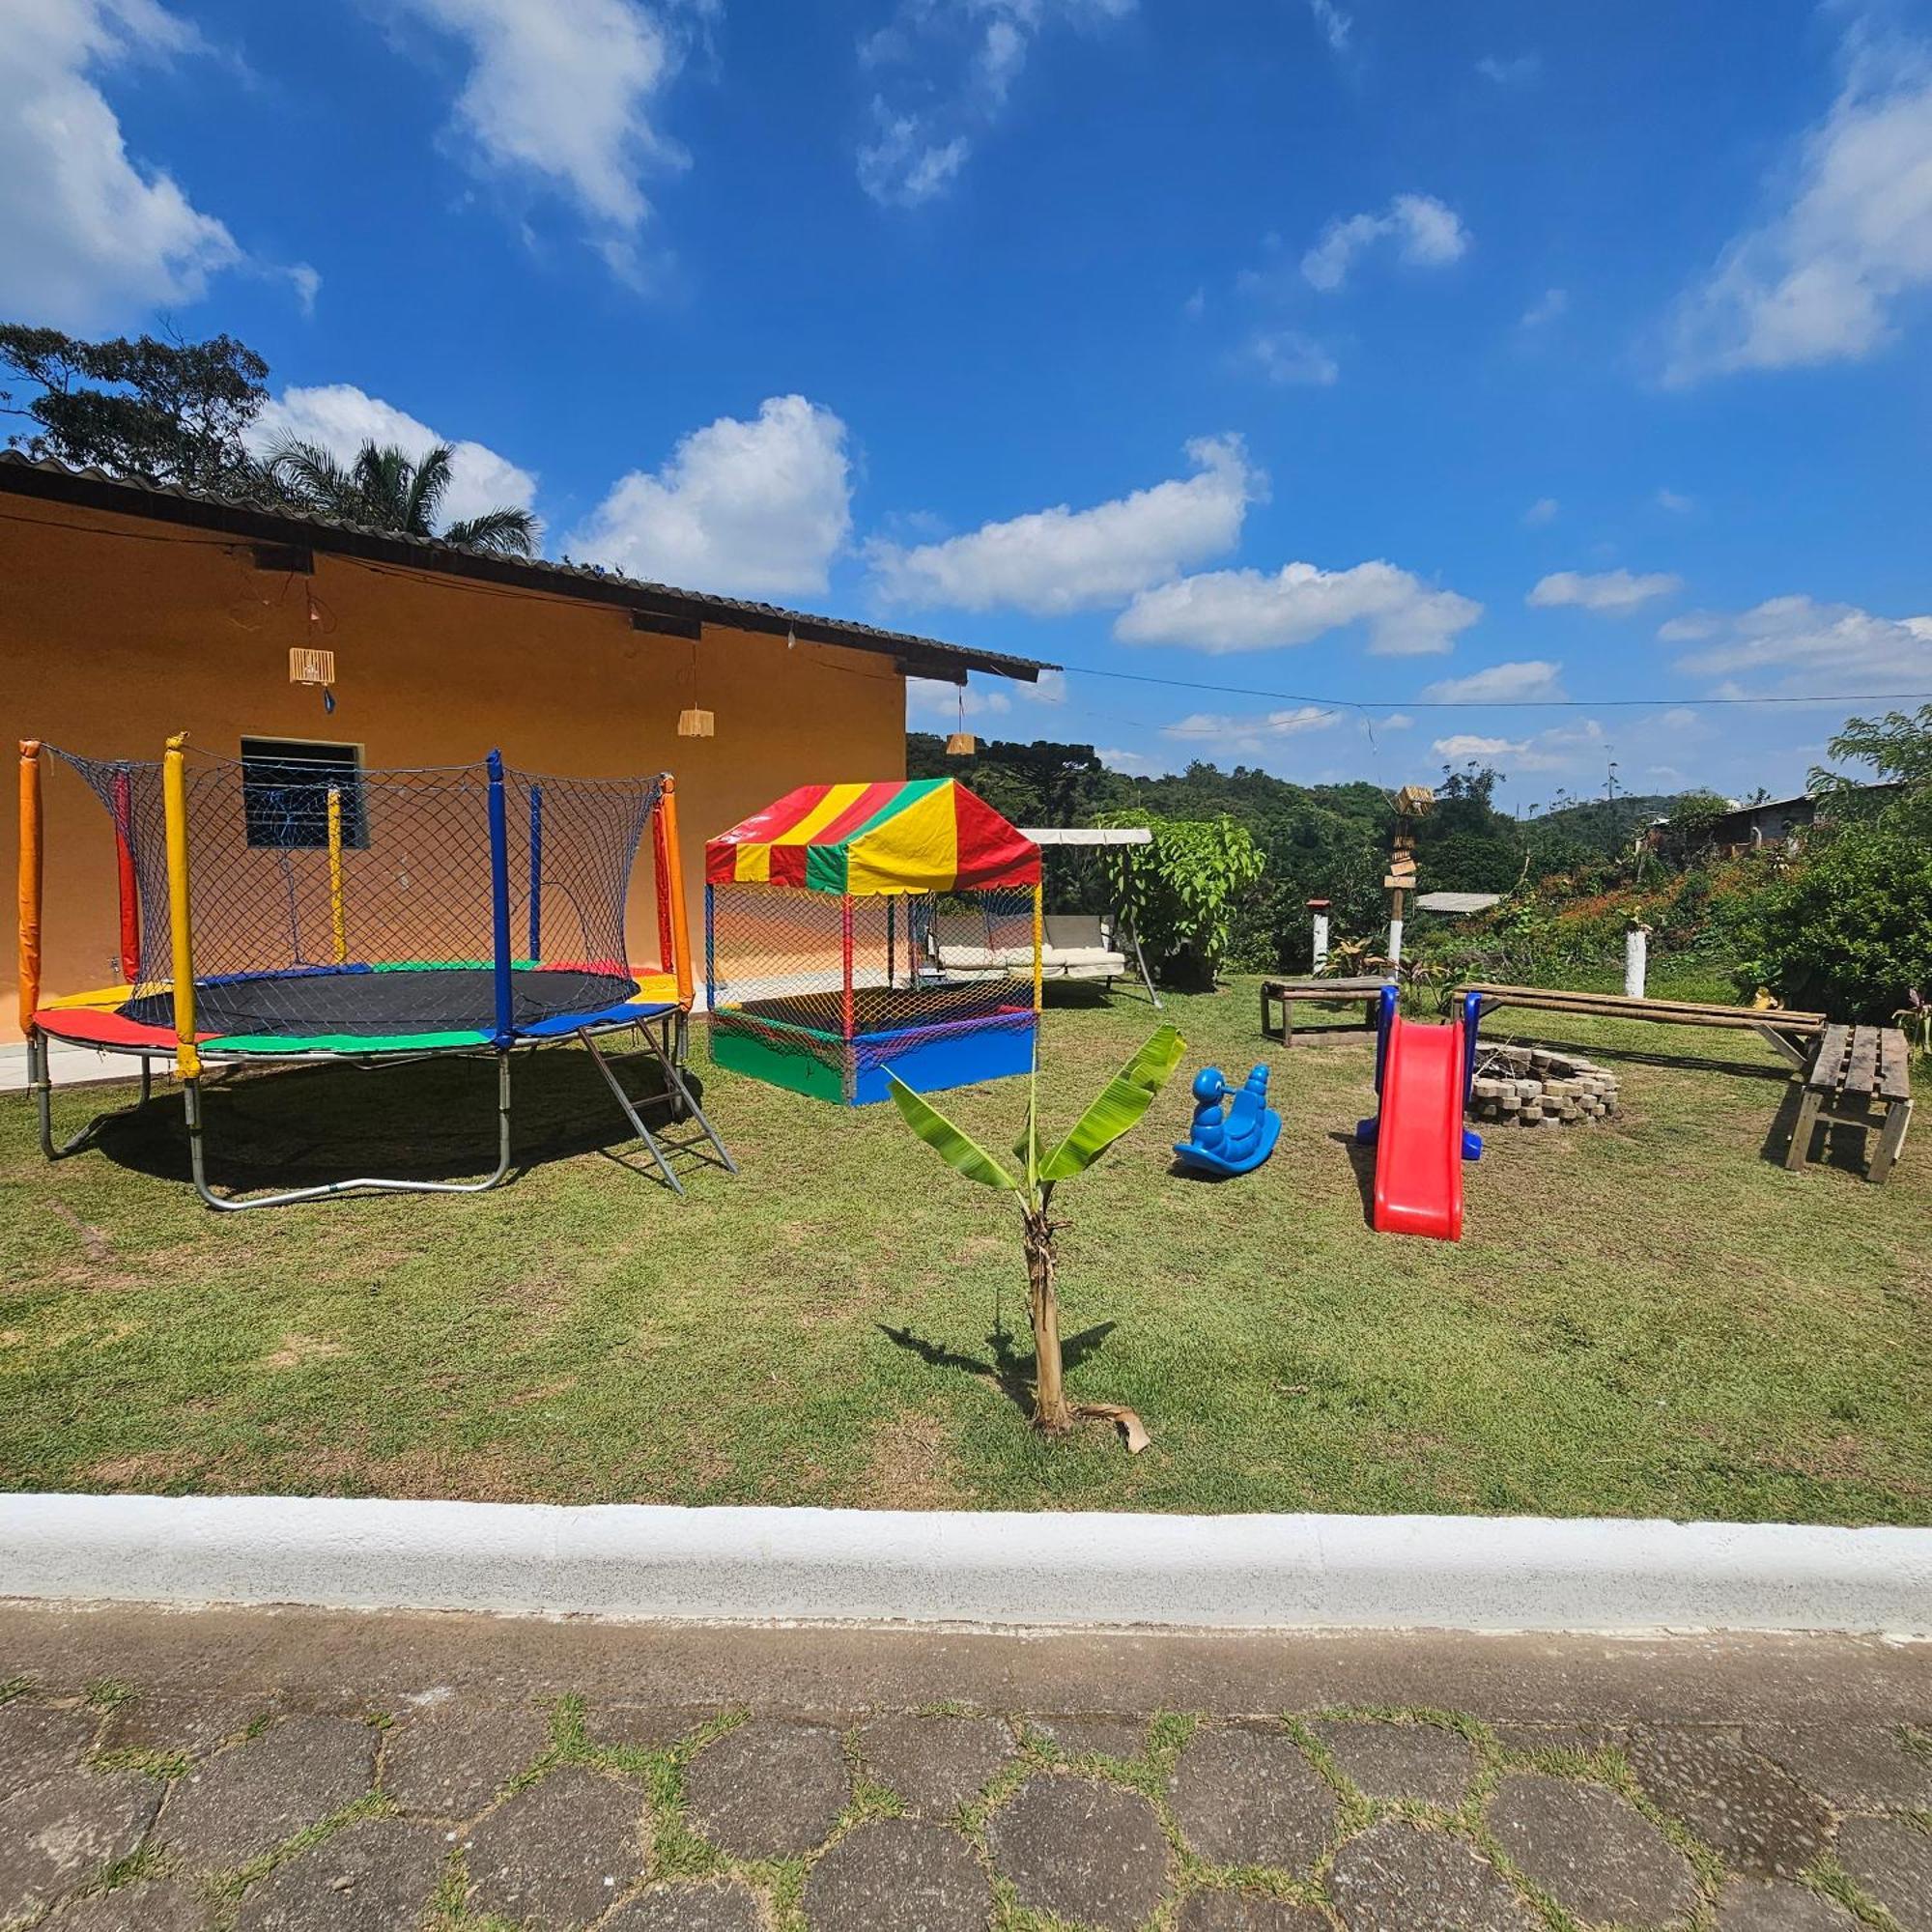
<point x="281" y="909"/>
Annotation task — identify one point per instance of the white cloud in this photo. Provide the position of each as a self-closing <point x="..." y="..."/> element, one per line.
<point x="1500" y="683"/>
<point x="1061" y="559"/>
<point x="1541" y="512"/>
<point x="1515" y="72"/>
<point x="1049" y="688"/>
<point x="1544" y="309"/>
<point x="1607" y="590"/>
<point x="1824" y="278"/>
<point x="566" y="95"/>
<point x="1677" y="504"/>
<point x="756" y="508"/>
<point x="1138" y="764"/>
<point x="342" y="418"/>
<point x="1396" y="721"/>
<point x="1797" y="643"/>
<point x="1285" y="355"/>
<point x="1427" y="234"/>
<point x="947" y="68"/>
<point x="1334" y="24"/>
<point x="1248" y="610"/>
<point x="1218" y="732"/>
<point x="88" y="234"/>
<point x="1563" y="748"/>
<point x="933" y="697"/>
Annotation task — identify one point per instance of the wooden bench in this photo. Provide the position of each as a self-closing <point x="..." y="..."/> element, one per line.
<point x="1790" y="1033"/>
<point x="1859" y="1078"/>
<point x="1286" y="992"/>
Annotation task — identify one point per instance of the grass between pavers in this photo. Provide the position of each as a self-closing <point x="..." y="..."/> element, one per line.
<point x="1645" y="1317"/>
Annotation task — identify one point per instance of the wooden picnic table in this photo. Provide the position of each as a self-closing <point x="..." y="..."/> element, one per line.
<point x="1858" y="1077"/>
<point x="1288" y="992"/>
<point x="1791" y="1033"/>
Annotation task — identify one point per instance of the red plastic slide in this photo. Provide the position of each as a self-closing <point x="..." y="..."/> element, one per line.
<point x="1419" y="1141"/>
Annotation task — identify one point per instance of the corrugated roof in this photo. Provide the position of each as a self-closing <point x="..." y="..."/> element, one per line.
<point x="49" y="480"/>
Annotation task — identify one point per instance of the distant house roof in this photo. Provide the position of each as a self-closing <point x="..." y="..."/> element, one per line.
<point x="680" y="613"/>
<point x="1457" y="902"/>
<point x="1800" y="809"/>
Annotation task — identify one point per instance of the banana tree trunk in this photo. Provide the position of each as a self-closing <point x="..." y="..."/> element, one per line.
<point x="1051" y="1414"/>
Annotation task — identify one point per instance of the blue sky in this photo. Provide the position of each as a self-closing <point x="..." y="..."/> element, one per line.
<point x="1394" y="359"/>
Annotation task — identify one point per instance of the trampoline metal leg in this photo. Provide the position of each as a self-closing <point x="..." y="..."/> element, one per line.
<point x="231" y="1205"/>
<point x="41" y="1084"/>
<point x="631" y="1112"/>
<point x="673" y="1066"/>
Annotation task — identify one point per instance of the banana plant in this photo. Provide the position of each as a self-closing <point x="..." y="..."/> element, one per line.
<point x="1119" y="1108"/>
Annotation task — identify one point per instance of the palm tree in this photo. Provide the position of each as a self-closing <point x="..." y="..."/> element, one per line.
<point x="386" y="490"/>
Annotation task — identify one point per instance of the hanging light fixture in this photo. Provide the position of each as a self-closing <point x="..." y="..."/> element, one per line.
<point x="960" y="743"/>
<point x="694" y="721"/>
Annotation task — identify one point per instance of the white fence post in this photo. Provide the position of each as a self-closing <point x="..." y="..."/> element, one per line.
<point x="1636" y="958"/>
<point x="1395" y="944"/>
<point x="1320" y="909"/>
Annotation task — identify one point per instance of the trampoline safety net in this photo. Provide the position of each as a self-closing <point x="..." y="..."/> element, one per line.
<point x="332" y="901"/>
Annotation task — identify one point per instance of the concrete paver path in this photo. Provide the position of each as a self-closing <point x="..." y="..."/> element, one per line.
<point x="202" y="1771"/>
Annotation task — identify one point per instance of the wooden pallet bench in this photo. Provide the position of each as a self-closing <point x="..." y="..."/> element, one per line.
<point x="1859" y="1078"/>
<point x="1792" y="1034"/>
<point x="1286" y="993"/>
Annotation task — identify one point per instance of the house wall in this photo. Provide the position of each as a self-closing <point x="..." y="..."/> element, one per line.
<point x="116" y="631"/>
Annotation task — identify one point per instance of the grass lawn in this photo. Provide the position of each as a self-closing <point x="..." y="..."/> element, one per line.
<point x="1646" y="1315"/>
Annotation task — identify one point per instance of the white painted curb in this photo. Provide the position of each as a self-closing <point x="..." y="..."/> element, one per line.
<point x="759" y="1565"/>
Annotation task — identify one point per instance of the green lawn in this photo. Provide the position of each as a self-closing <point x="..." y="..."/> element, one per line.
<point x="1646" y="1315"/>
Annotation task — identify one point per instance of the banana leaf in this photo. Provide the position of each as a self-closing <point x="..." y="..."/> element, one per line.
<point x="956" y="1148"/>
<point x="1120" y="1106"/>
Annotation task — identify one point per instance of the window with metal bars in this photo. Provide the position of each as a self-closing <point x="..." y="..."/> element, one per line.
<point x="285" y="788"/>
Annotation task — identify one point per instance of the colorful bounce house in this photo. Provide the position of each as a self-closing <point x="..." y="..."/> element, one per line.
<point x="823" y="918"/>
<point x="278" y="911"/>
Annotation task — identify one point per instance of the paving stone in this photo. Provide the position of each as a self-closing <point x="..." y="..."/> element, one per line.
<point x="898" y="1875"/>
<point x="641" y="1726"/>
<point x="1082" y="1848"/>
<point x="1094" y="1737"/>
<point x="1774" y="1905"/>
<point x="35" y="1740"/>
<point x="768" y="1790"/>
<point x="1892" y="1861"/>
<point x="61" y="1835"/>
<point x="719" y="1906"/>
<point x="377" y="1876"/>
<point x="1743" y="1806"/>
<point x="451" y="1762"/>
<point x="1422" y="1762"/>
<point x="252" y="1797"/>
<point x="1247" y="1912"/>
<point x="935" y="1764"/>
<point x="1594" y="1853"/>
<point x="181" y="1727"/>
<point x="1251" y="1798"/>
<point x="1854" y="1766"/>
<point x="1399" y="1878"/>
<point x="559" y="1852"/>
<point x="157" y="1906"/>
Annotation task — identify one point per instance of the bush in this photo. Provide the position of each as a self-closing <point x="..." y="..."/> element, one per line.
<point x="1182" y="892"/>
<point x="1850" y="932"/>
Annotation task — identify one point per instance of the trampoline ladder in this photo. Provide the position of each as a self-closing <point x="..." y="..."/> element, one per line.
<point x="670" y="1064"/>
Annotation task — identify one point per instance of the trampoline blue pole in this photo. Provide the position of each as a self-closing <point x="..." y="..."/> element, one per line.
<point x="499" y="893"/>
<point x="536" y="874"/>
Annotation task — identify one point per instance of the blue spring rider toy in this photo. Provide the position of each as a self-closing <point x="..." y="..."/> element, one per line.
<point x="1239" y="1141"/>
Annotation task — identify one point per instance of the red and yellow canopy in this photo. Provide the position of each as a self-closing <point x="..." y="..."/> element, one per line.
<point x="922" y="835"/>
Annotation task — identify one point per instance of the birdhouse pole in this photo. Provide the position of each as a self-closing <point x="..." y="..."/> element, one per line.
<point x="1411" y="803"/>
<point x="1319" y="910"/>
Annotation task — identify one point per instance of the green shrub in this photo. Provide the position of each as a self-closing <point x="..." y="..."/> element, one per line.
<point x="1850" y="931"/>
<point x="1183" y="891"/>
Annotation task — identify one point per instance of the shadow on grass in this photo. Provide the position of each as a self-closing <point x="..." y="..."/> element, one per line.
<point x="1008" y="1368"/>
<point x="428" y="1120"/>
<point x="1835" y="1144"/>
<point x="1362" y="1159"/>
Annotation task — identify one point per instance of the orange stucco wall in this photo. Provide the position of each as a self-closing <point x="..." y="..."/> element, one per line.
<point x="116" y="631"/>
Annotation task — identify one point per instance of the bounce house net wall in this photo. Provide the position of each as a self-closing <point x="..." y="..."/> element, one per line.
<point x="821" y="992"/>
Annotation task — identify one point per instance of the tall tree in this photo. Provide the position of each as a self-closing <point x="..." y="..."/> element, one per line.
<point x="384" y="488"/>
<point x="172" y="411"/>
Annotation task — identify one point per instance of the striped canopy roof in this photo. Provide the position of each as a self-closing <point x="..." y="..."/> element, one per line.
<point x="924" y="836"/>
